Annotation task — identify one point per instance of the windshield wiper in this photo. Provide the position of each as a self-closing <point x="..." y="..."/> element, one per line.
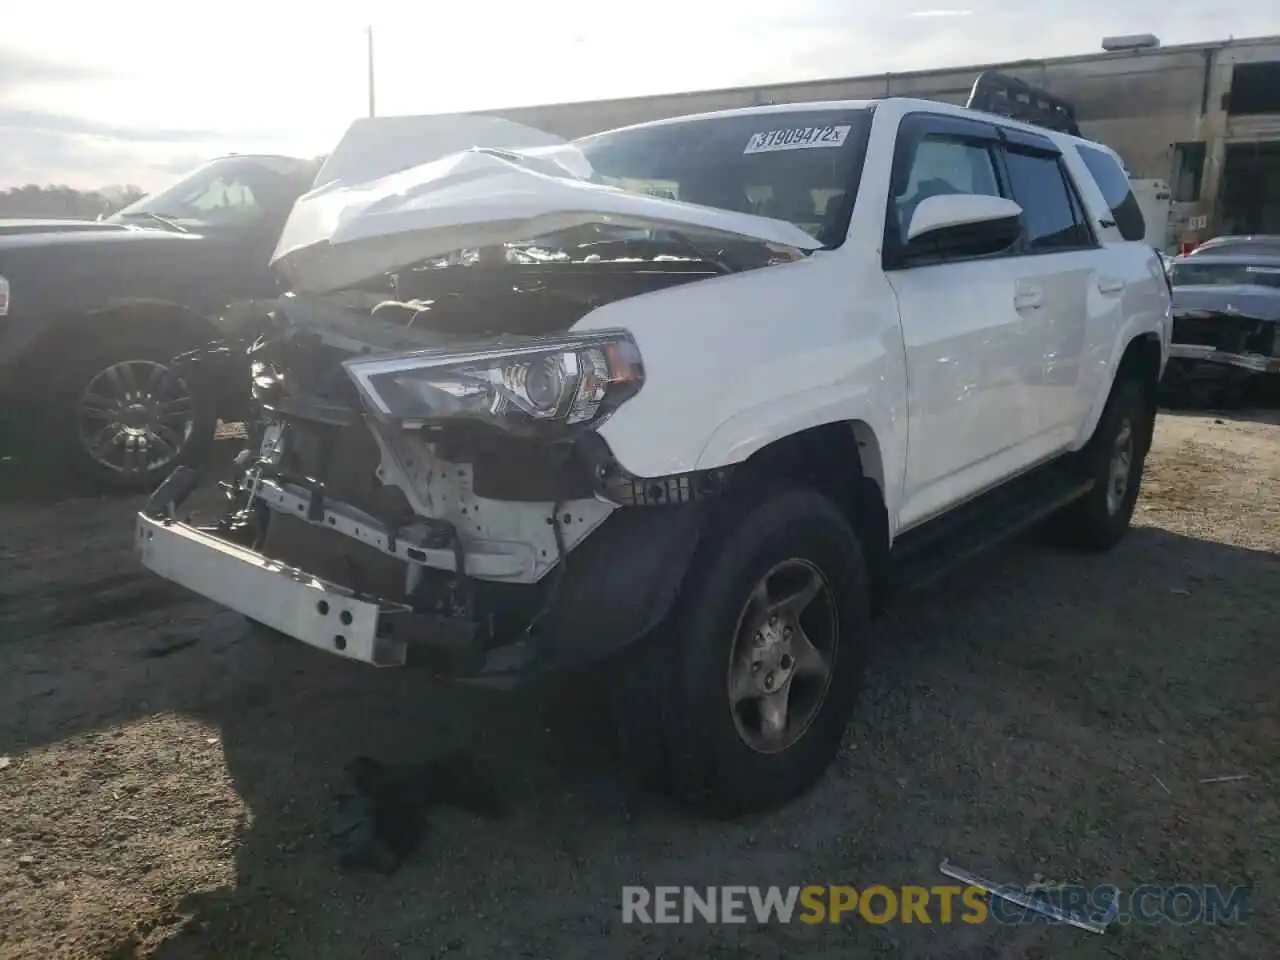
<point x="163" y="221"/>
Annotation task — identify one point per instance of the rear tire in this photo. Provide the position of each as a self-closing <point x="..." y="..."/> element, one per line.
<point x="684" y="705"/>
<point x="1114" y="460"/>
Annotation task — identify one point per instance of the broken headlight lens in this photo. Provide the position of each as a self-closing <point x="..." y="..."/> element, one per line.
<point x="569" y="381"/>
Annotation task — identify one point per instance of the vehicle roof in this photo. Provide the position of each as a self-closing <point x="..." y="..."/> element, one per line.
<point x="906" y="104"/>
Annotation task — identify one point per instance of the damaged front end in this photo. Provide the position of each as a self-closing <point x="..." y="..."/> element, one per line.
<point x="424" y="482"/>
<point x="1227" y="352"/>
<point x="1226" y="325"/>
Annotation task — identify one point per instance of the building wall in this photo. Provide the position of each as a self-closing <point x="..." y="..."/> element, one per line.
<point x="1217" y="128"/>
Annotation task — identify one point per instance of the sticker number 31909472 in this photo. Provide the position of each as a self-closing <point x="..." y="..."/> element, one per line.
<point x="797" y="138"/>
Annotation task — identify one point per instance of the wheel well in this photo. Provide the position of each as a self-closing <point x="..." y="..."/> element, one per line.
<point x="843" y="461"/>
<point x="1141" y="362"/>
<point x="155" y="317"/>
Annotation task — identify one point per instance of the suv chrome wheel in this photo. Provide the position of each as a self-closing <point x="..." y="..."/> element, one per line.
<point x="136" y="417"/>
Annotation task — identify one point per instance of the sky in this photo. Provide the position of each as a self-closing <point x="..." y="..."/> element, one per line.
<point x="139" y="91"/>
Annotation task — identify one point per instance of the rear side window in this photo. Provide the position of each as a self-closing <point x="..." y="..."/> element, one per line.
<point x="1114" y="184"/>
<point x="1050" y="212"/>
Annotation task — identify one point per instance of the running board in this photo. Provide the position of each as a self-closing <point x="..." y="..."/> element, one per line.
<point x="932" y="550"/>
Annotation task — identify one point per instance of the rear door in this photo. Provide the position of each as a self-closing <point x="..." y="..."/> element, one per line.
<point x="1130" y="286"/>
<point x="1058" y="284"/>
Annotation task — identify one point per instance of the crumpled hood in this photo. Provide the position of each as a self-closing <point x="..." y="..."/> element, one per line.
<point x="344" y="232"/>
<point x="1258" y="303"/>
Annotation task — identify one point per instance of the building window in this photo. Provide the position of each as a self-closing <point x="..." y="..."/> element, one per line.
<point x="1255" y="88"/>
<point x="1188" y="169"/>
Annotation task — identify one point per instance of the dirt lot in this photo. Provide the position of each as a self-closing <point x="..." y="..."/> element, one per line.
<point x="169" y="788"/>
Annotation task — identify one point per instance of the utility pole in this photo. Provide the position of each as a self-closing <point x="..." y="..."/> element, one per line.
<point x="369" y="34"/>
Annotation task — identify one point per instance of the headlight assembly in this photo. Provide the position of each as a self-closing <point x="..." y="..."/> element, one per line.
<point x="570" y="381"/>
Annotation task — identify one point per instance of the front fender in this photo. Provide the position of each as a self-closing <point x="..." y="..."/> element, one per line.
<point x="756" y="427"/>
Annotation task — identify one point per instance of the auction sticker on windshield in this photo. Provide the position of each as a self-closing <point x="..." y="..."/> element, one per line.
<point x="797" y="138"/>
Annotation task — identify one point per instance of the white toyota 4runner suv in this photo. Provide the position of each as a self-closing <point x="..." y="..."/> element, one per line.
<point x="687" y="400"/>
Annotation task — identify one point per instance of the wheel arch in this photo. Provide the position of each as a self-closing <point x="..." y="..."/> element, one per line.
<point x="843" y="460"/>
<point x="131" y="314"/>
<point x="1142" y="359"/>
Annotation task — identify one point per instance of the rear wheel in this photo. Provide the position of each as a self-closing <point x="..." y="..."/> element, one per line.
<point x="1114" y="459"/>
<point x="740" y="702"/>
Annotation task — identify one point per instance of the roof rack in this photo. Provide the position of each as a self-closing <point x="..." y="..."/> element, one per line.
<point x="1007" y="96"/>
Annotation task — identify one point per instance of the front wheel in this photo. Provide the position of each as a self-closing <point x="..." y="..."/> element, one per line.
<point x="124" y="418"/>
<point x="740" y="702"/>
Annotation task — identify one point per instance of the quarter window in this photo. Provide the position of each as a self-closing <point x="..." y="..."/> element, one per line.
<point x="1114" y="184"/>
<point x="1052" y="217"/>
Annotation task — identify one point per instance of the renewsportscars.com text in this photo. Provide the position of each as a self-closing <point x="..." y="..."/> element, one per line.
<point x="1183" y="904"/>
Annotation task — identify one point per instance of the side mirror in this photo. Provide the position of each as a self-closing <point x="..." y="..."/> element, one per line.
<point x="963" y="224"/>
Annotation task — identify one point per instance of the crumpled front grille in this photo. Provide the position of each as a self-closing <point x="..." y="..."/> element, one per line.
<point x="345" y="460"/>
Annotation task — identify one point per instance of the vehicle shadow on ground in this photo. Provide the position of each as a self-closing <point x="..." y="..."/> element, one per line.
<point x="1014" y="716"/>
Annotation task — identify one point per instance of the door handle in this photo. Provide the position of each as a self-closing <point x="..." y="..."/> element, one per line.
<point x="1030" y="298"/>
<point x="1110" y="285"/>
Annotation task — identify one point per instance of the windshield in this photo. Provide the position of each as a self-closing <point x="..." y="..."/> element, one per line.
<point x="801" y="166"/>
<point x="1214" y="272"/>
<point x="229" y="192"/>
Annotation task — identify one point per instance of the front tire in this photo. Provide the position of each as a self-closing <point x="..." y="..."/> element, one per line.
<point x="121" y="418"/>
<point x="739" y="702"/>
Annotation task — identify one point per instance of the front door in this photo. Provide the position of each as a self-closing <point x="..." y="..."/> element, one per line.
<point x="971" y="324"/>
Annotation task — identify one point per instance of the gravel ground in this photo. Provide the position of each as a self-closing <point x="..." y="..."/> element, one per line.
<point x="169" y="783"/>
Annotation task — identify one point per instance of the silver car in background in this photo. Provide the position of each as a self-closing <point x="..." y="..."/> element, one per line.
<point x="1226" y="318"/>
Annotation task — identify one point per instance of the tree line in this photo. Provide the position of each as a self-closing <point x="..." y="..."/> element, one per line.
<point x="61" y="202"/>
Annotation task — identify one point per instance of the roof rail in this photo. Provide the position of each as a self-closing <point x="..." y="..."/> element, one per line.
<point x="1007" y="96"/>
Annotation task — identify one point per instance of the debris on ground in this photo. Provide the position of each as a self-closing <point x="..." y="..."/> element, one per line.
<point x="1026" y="898"/>
<point x="6" y="762"/>
<point x="171" y="647"/>
<point x="382" y="816"/>
<point x="1228" y="779"/>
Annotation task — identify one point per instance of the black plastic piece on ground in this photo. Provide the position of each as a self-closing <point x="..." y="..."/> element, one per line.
<point x="382" y="817"/>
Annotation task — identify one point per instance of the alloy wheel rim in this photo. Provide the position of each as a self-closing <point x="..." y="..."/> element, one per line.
<point x="1120" y="469"/>
<point x="783" y="656"/>
<point x="136" y="416"/>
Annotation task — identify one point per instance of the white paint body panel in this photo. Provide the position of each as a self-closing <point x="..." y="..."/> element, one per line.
<point x="967" y="374"/>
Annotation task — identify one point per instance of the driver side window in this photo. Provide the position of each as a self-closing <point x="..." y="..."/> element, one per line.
<point x="945" y="165"/>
